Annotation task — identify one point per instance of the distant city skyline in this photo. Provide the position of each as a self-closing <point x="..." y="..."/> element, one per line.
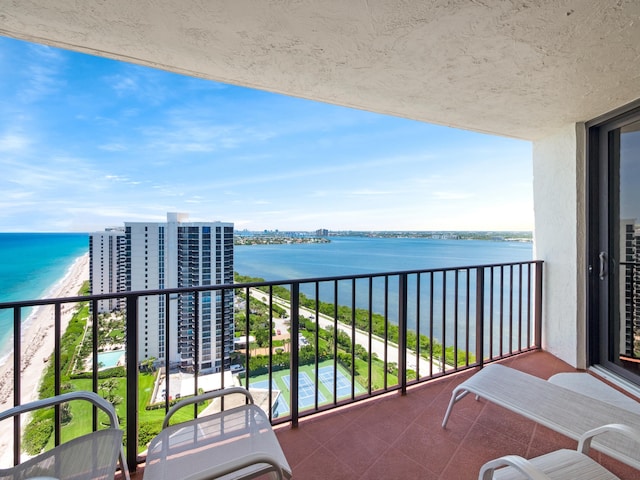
<point x="87" y="143"/>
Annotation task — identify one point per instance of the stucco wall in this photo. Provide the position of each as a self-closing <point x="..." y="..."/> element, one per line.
<point x="558" y="190"/>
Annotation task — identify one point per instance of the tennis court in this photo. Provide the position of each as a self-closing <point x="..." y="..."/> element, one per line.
<point x="307" y="386"/>
<point x="343" y="385"/>
<point x="306" y="390"/>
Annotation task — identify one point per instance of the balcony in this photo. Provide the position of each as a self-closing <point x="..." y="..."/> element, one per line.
<point x="475" y="82"/>
<point x="400" y="436"/>
<point x="435" y="329"/>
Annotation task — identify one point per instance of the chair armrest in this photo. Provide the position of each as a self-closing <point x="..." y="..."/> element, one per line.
<point x="523" y="465"/>
<point x="238" y="464"/>
<point x="91" y="397"/>
<point x="585" y="440"/>
<point x="205" y="396"/>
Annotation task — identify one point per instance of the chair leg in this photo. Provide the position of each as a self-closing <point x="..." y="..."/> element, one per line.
<point x="454" y="398"/>
<point x="123" y="464"/>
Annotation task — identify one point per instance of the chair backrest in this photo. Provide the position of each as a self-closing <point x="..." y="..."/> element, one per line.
<point x="92" y="456"/>
<point x="76" y="458"/>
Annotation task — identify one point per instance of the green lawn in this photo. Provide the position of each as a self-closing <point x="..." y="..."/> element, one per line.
<point x="377" y="374"/>
<point x="149" y="421"/>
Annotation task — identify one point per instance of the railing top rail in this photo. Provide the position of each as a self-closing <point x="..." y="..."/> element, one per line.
<point x="227" y="286"/>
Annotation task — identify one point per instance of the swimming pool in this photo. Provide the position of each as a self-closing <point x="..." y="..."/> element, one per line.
<point x="281" y="406"/>
<point x="110" y="359"/>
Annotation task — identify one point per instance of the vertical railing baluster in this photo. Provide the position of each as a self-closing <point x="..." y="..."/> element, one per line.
<point x="317" y="343"/>
<point x="17" y="360"/>
<point x="94" y="356"/>
<point x="335" y="339"/>
<point x="247" y="326"/>
<point x="455" y="319"/>
<point x="443" y="353"/>
<point x="528" y="303"/>
<point x="57" y="334"/>
<point x="491" y="300"/>
<point x="501" y="310"/>
<point x="402" y="332"/>
<point x="196" y="349"/>
<point x="386" y="330"/>
<point x="431" y="278"/>
<point x="167" y="339"/>
<point x="510" y="309"/>
<point x="417" y="345"/>
<point x="520" y="307"/>
<point x="467" y="319"/>
<point x="294" y="354"/>
<point x="270" y="373"/>
<point x="353" y="338"/>
<point x="223" y="295"/>
<point x="132" y="381"/>
<point x="479" y="317"/>
<point x="370" y="306"/>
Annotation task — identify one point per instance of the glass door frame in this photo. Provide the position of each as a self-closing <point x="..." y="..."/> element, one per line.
<point x="602" y="178"/>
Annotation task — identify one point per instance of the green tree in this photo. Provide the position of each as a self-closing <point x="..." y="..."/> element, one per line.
<point x="262" y="336"/>
<point x="148" y="365"/>
<point x="108" y="390"/>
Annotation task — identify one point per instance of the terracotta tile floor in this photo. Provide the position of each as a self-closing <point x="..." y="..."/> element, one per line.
<point x="400" y="437"/>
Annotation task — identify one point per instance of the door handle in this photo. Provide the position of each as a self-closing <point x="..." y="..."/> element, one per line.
<point x="603" y="264"/>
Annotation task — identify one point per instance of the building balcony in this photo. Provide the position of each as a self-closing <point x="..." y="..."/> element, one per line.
<point x="400" y="436"/>
<point x="389" y="363"/>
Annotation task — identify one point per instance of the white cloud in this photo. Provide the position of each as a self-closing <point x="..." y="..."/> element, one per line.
<point x="43" y="73"/>
<point x="122" y="84"/>
<point x="12" y="142"/>
<point x="451" y="195"/>
<point x="370" y="192"/>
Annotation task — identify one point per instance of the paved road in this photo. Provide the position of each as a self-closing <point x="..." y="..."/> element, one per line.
<point x="362" y="337"/>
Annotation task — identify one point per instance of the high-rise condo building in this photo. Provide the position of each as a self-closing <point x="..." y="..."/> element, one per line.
<point x="107" y="266"/>
<point x="177" y="254"/>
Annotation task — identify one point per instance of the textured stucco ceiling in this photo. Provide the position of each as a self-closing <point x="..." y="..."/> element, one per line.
<point x="515" y="68"/>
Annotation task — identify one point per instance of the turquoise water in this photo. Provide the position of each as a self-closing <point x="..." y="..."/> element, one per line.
<point x="110" y="359"/>
<point x="31" y="264"/>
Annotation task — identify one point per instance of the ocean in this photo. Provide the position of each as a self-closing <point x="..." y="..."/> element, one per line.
<point x="364" y="255"/>
<point x="32" y="263"/>
<point x="358" y="255"/>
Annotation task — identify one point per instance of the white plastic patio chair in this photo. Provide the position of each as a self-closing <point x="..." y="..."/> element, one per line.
<point x="237" y="443"/>
<point x="91" y="456"/>
<point x="558" y="465"/>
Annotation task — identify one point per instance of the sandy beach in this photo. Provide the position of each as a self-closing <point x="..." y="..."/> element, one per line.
<point x="37" y="345"/>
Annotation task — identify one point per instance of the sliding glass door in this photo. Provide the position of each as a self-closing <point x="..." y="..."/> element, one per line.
<point x="614" y="264"/>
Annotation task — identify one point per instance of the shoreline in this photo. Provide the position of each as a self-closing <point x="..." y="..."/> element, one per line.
<point x="38" y="344"/>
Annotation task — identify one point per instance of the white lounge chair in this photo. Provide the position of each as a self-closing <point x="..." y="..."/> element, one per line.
<point x="91" y="456"/>
<point x="563" y="410"/>
<point x="235" y="443"/>
<point x="558" y="465"/>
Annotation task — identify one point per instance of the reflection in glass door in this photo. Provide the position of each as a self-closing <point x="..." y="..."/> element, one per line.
<point x="628" y="220"/>
<point x="618" y="262"/>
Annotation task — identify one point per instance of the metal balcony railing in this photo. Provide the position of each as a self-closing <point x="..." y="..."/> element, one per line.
<point x="337" y="340"/>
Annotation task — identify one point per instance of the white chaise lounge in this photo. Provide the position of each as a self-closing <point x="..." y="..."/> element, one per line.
<point x="553" y="406"/>
<point x="557" y="465"/>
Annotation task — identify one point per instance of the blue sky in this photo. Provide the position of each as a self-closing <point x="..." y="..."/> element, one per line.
<point x="87" y="142"/>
